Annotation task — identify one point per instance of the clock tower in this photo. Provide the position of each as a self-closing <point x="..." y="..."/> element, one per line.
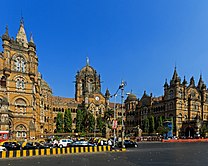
<point x="88" y="90"/>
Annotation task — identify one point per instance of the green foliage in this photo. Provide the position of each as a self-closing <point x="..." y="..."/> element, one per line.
<point x="91" y="123"/>
<point x="160" y="121"/>
<point x="204" y="130"/>
<point x="79" y="119"/>
<point x="67" y="121"/>
<point x="108" y="115"/>
<point x="59" y="123"/>
<point x="151" y="124"/>
<point x="100" y="123"/>
<point x="162" y="130"/>
<point x="146" y="125"/>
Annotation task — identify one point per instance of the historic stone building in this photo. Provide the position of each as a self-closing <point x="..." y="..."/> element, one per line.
<point x="88" y="96"/>
<point x="27" y="107"/>
<point x="186" y="104"/>
<point x="24" y="96"/>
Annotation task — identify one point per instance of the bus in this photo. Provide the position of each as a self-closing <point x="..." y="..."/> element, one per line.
<point x="4" y="135"/>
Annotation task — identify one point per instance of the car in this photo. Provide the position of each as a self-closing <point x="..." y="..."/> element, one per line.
<point x="49" y="145"/>
<point x="11" y="145"/>
<point x="63" y="142"/>
<point x="28" y="145"/>
<point x="80" y="144"/>
<point x="2" y="148"/>
<point x="128" y="144"/>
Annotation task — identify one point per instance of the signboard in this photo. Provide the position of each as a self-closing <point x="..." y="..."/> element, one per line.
<point x="114" y="126"/>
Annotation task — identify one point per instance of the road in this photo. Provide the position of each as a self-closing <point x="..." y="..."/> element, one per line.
<point x="172" y="154"/>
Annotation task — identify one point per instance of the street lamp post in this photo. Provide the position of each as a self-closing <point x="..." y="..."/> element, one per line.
<point x="114" y="117"/>
<point x="122" y="111"/>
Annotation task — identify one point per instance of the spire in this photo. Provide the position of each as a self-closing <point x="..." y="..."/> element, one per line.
<point x="175" y="74"/>
<point x="107" y="94"/>
<point x="184" y="81"/>
<point x="31" y="38"/>
<point x="192" y="82"/>
<point x="166" y="83"/>
<point x="175" y="77"/>
<point x="201" y="82"/>
<point x="5" y="36"/>
<point x="21" y="35"/>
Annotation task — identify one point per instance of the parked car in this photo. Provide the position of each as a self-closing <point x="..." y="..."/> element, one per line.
<point x="80" y="144"/>
<point x="2" y="148"/>
<point x="128" y="144"/>
<point x="11" y="145"/>
<point x="49" y="145"/>
<point x="63" y="142"/>
<point x="28" y="145"/>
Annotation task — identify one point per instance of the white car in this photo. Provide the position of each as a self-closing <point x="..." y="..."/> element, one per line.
<point x="63" y="142"/>
<point x="2" y="149"/>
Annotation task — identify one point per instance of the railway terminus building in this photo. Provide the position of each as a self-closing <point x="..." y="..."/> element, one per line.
<point x="28" y="109"/>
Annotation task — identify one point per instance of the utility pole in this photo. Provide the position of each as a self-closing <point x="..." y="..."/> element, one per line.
<point x="122" y="110"/>
<point x="114" y="118"/>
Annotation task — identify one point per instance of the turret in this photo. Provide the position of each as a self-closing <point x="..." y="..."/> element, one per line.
<point x="192" y="82"/>
<point x="21" y="37"/>
<point x="107" y="96"/>
<point x="5" y="36"/>
<point x="175" y="79"/>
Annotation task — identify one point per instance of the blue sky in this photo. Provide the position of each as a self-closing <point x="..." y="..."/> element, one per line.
<point x="138" y="41"/>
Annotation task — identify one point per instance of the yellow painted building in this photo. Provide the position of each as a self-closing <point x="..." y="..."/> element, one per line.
<point x="28" y="110"/>
<point x="25" y="96"/>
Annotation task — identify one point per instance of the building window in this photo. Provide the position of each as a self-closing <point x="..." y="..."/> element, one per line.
<point x="171" y="94"/>
<point x="20" y="84"/>
<point x="20" y="106"/>
<point x="20" y="64"/>
<point x="3" y="82"/>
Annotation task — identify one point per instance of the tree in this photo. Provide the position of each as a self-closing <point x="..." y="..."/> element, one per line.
<point x="91" y="123"/>
<point x="151" y="124"/>
<point x="146" y="125"/>
<point x="79" y="118"/>
<point x="100" y="123"/>
<point x="67" y="121"/>
<point x="159" y="122"/>
<point x="204" y="130"/>
<point x="162" y="130"/>
<point x="59" y="123"/>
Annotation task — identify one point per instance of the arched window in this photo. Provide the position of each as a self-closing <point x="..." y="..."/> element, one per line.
<point x="171" y="94"/>
<point x="180" y="117"/>
<point x="20" y="64"/>
<point x="20" y="106"/>
<point x="21" y="131"/>
<point x="20" y="84"/>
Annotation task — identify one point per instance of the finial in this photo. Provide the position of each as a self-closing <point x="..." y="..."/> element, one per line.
<point x="31" y="38"/>
<point x="88" y="63"/>
<point x="21" y="21"/>
<point x="7" y="29"/>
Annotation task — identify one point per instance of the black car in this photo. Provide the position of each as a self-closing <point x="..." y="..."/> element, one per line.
<point x="29" y="145"/>
<point x="11" y="145"/>
<point x="128" y="144"/>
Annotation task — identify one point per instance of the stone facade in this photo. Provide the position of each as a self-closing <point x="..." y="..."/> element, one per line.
<point x="25" y="96"/>
<point x="186" y="104"/>
<point x="28" y="109"/>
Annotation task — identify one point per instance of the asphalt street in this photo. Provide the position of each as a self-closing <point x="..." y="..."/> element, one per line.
<point x="172" y="154"/>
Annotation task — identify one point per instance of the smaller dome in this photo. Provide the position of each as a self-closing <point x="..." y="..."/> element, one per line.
<point x="87" y="69"/>
<point x="131" y="97"/>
